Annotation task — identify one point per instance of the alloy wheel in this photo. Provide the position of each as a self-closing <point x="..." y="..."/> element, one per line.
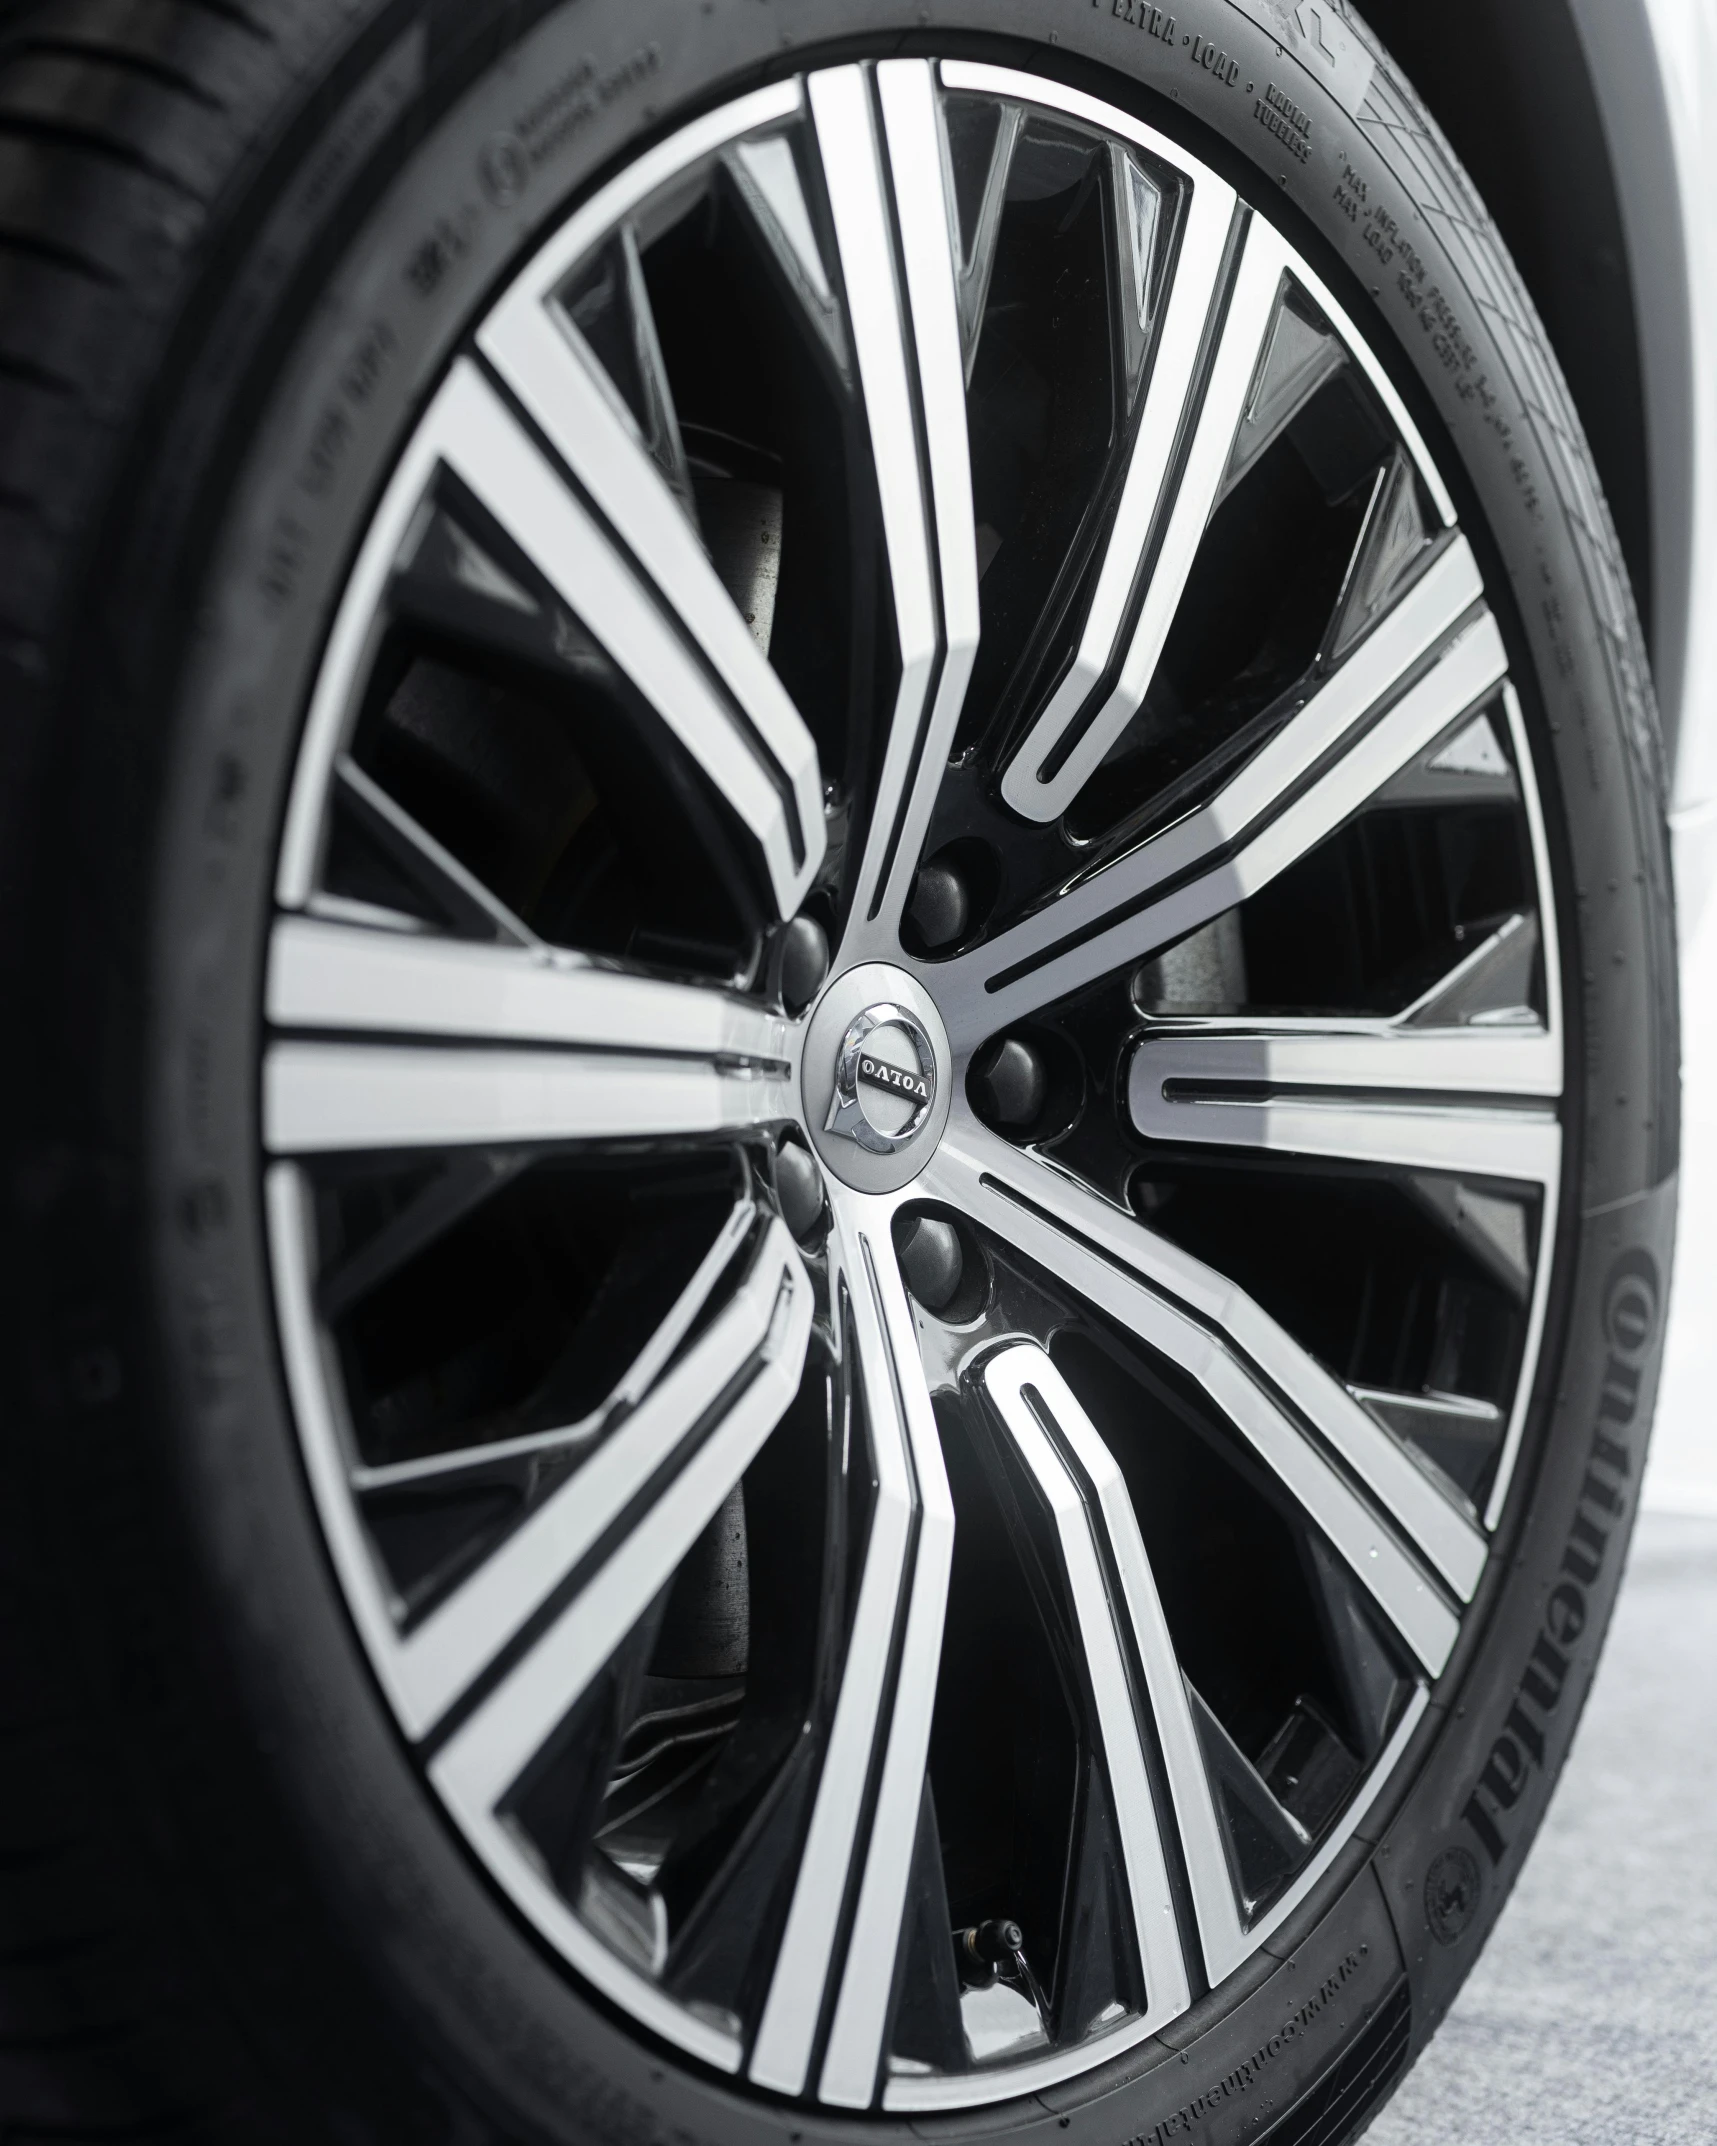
<point x="911" y="1089"/>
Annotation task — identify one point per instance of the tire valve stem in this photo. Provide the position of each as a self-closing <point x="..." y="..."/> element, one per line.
<point x="995" y="1952"/>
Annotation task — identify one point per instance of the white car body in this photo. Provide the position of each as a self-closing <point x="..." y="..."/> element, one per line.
<point x="1680" y="382"/>
<point x="1616" y="240"/>
<point x="1686" y="39"/>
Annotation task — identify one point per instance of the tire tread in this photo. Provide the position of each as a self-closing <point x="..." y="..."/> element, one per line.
<point x="122" y="125"/>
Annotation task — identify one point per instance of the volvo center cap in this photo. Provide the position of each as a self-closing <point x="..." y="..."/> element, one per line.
<point x="885" y="1081"/>
<point x="875" y="1074"/>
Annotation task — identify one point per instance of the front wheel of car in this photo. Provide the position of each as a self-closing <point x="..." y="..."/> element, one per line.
<point x="843" y="1106"/>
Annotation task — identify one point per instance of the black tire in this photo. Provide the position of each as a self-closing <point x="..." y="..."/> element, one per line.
<point x="237" y="250"/>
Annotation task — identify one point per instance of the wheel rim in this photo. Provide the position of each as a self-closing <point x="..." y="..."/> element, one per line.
<point x="909" y="1501"/>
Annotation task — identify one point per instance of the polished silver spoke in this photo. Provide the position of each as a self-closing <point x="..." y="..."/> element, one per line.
<point x="746" y="1393"/>
<point x="344" y="978"/>
<point x="853" y="171"/>
<point x="1113" y="919"/>
<point x="762" y="765"/>
<point x="743" y="1368"/>
<point x="854" y="2053"/>
<point x="1116" y="1267"/>
<point x="1013" y="86"/>
<point x="1421" y="622"/>
<point x="1439" y="1533"/>
<point x="1222" y="1939"/>
<point x="918" y="751"/>
<point x="1023" y="1384"/>
<point x="333" y="1098"/>
<point x="759" y="1339"/>
<point x="758" y="1344"/>
<point x="642" y="1057"/>
<point x="1048" y="771"/>
<point x="781" y="2057"/>
<point x="536" y="349"/>
<point x="1477" y="1100"/>
<point x="881" y="1729"/>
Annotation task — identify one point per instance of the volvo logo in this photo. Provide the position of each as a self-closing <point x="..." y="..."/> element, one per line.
<point x="878" y="1073"/>
<point x="885" y="1080"/>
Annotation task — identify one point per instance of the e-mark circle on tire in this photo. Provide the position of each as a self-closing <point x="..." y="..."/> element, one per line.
<point x="842" y="1126"/>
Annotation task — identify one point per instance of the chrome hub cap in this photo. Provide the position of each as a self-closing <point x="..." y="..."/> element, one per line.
<point x="875" y="1071"/>
<point x="885" y="1081"/>
<point x="907" y="1536"/>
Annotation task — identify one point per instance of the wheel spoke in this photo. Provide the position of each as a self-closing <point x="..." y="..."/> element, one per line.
<point x="1057" y="757"/>
<point x="340" y="977"/>
<point x="976" y="263"/>
<point x="916" y="756"/>
<point x="1113" y="918"/>
<point x="546" y="362"/>
<point x="762" y="774"/>
<point x="879" y="1740"/>
<point x="468" y="904"/>
<point x="333" y="1098"/>
<point x="720" y="1401"/>
<point x="927" y="530"/>
<point x="1025" y="1386"/>
<point x="1012" y="86"/>
<point x="1419" y="1099"/>
<point x="646" y="1367"/>
<point x="769" y="182"/>
<point x="1188" y="1314"/>
<point x="854" y="2052"/>
<point x="1493" y="983"/>
<point x="651" y="1058"/>
<point x="1221" y="1938"/>
<point x="1441" y="1534"/>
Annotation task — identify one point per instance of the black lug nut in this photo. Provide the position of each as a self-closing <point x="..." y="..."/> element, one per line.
<point x="802" y="957"/>
<point x="940" y="909"/>
<point x="931" y="1261"/>
<point x="799" y="1188"/>
<point x="1010" y="1084"/>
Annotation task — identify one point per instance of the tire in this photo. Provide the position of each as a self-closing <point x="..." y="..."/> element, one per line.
<point x="259" y="1876"/>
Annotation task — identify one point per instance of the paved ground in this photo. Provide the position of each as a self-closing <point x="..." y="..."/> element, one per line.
<point x="1592" y="2016"/>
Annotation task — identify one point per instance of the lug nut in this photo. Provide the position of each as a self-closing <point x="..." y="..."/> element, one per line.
<point x="940" y="908"/>
<point x="931" y="1261"/>
<point x="799" y="1188"/>
<point x="802" y="958"/>
<point x="1010" y="1084"/>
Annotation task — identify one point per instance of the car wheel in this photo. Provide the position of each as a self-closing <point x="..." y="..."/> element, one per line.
<point x="844" y="1099"/>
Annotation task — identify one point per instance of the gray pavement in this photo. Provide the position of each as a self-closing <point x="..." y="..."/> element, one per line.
<point x="1592" y="2015"/>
